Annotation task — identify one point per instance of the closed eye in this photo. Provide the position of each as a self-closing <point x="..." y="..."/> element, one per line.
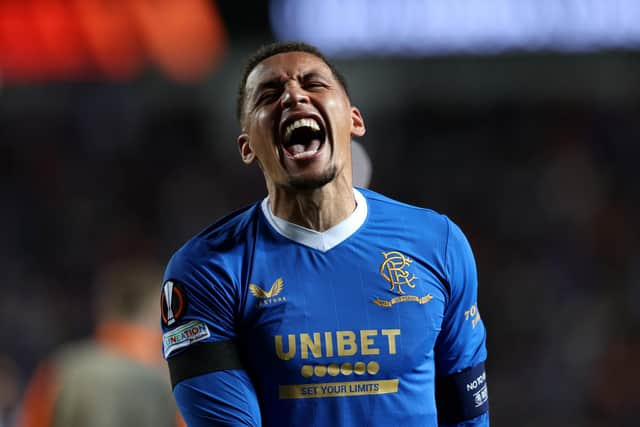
<point x="267" y="97"/>
<point x="314" y="85"/>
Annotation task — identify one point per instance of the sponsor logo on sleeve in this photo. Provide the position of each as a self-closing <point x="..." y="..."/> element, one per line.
<point x="478" y="386"/>
<point x="472" y="314"/>
<point x="184" y="335"/>
<point x="173" y="302"/>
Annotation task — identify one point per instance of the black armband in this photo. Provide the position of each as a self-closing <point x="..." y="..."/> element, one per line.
<point x="202" y="358"/>
<point x="462" y="395"/>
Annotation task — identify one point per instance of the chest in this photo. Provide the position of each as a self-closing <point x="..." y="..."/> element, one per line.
<point x="366" y="310"/>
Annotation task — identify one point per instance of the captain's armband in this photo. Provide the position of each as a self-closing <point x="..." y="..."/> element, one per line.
<point x="462" y="395"/>
<point x="202" y="358"/>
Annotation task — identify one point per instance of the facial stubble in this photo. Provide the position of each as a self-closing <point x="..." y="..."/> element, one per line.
<point x="306" y="184"/>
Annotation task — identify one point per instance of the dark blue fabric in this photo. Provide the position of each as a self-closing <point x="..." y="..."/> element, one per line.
<point x="463" y="395"/>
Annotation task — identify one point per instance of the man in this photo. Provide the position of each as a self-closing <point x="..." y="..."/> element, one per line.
<point x="322" y="304"/>
<point x="114" y="379"/>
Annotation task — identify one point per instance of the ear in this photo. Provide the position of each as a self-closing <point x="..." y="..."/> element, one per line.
<point x="246" y="151"/>
<point x="357" y="123"/>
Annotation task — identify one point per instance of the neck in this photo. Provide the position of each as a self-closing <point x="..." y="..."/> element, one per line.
<point x="318" y="209"/>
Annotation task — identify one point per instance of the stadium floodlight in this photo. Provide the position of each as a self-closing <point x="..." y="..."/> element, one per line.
<point x="441" y="27"/>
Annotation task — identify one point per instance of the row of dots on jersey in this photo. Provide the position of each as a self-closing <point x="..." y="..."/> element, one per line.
<point x="333" y="369"/>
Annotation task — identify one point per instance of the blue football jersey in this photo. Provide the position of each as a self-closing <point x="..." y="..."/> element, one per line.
<point x="347" y="327"/>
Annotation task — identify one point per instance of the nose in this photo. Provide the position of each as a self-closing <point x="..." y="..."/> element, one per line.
<point x="293" y="95"/>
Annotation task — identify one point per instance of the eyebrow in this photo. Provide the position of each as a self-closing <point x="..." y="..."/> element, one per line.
<point x="273" y="83"/>
<point x="277" y="82"/>
<point x="313" y="75"/>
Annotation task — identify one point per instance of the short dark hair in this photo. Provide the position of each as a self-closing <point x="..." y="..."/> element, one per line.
<point x="269" y="50"/>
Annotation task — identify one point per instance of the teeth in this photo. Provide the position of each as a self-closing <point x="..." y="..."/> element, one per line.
<point x="305" y="154"/>
<point x="307" y="122"/>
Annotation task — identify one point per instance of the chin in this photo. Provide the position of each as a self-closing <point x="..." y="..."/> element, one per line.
<point x="313" y="183"/>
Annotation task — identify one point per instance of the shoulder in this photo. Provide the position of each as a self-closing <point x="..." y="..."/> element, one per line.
<point x="411" y="217"/>
<point x="378" y="201"/>
<point x="425" y="228"/>
<point x="74" y="353"/>
<point x="223" y="238"/>
<point x="90" y="360"/>
<point x="215" y="256"/>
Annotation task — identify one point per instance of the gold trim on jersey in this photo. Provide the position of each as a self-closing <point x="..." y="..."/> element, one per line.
<point x="336" y="389"/>
<point x="404" y="298"/>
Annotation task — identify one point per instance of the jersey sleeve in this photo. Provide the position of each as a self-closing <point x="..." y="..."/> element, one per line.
<point x="199" y="306"/>
<point x="222" y="398"/>
<point x="460" y="351"/>
<point x="196" y="290"/>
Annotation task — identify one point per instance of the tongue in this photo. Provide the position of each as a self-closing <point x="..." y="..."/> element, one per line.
<point x="313" y="145"/>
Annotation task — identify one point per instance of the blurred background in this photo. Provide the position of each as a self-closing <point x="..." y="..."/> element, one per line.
<point x="519" y="119"/>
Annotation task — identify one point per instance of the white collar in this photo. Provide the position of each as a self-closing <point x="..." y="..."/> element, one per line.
<point x="322" y="241"/>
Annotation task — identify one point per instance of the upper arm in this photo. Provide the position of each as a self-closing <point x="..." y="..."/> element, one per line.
<point x="461" y="342"/>
<point x="222" y="398"/>
<point x="460" y="352"/>
<point x="200" y="344"/>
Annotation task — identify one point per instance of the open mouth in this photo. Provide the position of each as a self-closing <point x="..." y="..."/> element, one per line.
<point x="303" y="138"/>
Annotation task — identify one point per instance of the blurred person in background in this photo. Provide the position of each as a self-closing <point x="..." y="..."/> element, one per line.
<point x="323" y="303"/>
<point x="117" y="377"/>
<point x="8" y="389"/>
